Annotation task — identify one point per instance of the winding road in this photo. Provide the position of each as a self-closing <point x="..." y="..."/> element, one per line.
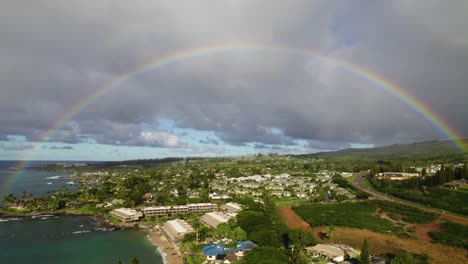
<point x="359" y="183"/>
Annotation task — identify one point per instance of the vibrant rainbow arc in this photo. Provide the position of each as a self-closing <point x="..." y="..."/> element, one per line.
<point x="190" y="54"/>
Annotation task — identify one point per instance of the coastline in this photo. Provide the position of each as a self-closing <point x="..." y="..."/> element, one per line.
<point x="170" y="253"/>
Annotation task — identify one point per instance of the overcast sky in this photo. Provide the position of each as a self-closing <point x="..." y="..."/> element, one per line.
<point x="55" y="53"/>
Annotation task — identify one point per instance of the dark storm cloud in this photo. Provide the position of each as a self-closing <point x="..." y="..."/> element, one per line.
<point x="53" y="54"/>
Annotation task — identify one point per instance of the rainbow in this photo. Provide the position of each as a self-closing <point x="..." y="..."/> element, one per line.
<point x="190" y="54"/>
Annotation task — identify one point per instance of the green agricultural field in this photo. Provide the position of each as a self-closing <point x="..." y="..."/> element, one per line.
<point x="362" y="215"/>
<point x="439" y="197"/>
<point x="289" y="201"/>
<point x="451" y="233"/>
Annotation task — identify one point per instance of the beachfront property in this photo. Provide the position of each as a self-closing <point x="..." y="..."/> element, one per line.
<point x="231" y="207"/>
<point x="156" y="211"/>
<point x="175" y="230"/>
<point x="213" y="219"/>
<point x="127" y="215"/>
<point x="179" y="209"/>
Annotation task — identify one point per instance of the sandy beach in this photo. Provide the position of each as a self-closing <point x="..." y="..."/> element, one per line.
<point x="170" y="253"/>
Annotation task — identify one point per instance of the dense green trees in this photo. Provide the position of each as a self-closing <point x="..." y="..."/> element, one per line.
<point x="265" y="255"/>
<point x="364" y="258"/>
<point x="136" y="187"/>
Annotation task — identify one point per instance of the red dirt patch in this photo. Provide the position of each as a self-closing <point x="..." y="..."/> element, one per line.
<point x="382" y="243"/>
<point x="422" y="231"/>
<point x="293" y="220"/>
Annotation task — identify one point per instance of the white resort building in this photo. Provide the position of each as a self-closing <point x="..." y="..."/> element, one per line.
<point x="231" y="207"/>
<point x="213" y="219"/>
<point x="175" y="230"/>
<point x="127" y="215"/>
<point x="156" y="211"/>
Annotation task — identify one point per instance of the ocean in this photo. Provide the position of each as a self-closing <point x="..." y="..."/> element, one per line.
<point x="63" y="239"/>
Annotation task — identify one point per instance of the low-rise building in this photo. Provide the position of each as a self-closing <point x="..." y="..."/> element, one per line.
<point x="213" y="219"/>
<point x="214" y="252"/>
<point x="333" y="252"/>
<point x="281" y="193"/>
<point x="231" y="207"/>
<point x="127" y="215"/>
<point x="202" y="207"/>
<point x="396" y="175"/>
<point x="156" y="211"/>
<point x="178" y="209"/>
<point x="244" y="246"/>
<point x="301" y="194"/>
<point x="175" y="230"/>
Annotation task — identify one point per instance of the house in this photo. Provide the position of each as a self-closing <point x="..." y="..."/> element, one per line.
<point x="244" y="246"/>
<point x="326" y="251"/>
<point x="148" y="197"/>
<point x="214" y="252"/>
<point x="221" y="254"/>
<point x="455" y="184"/>
<point x="193" y="194"/>
<point x="257" y="194"/>
<point x="301" y="194"/>
<point x="281" y="193"/>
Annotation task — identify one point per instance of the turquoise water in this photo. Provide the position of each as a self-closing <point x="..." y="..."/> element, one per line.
<point x="49" y="239"/>
<point x="67" y="239"/>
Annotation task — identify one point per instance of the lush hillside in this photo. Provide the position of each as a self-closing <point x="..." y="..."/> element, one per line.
<point x="440" y="150"/>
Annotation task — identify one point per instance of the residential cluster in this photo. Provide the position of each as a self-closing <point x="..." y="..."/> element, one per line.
<point x="396" y="175"/>
<point x="283" y="185"/>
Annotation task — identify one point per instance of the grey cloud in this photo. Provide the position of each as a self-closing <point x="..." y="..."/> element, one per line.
<point x="55" y="54"/>
<point x="210" y="141"/>
<point x="60" y="148"/>
<point x="261" y="146"/>
<point x="16" y="146"/>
